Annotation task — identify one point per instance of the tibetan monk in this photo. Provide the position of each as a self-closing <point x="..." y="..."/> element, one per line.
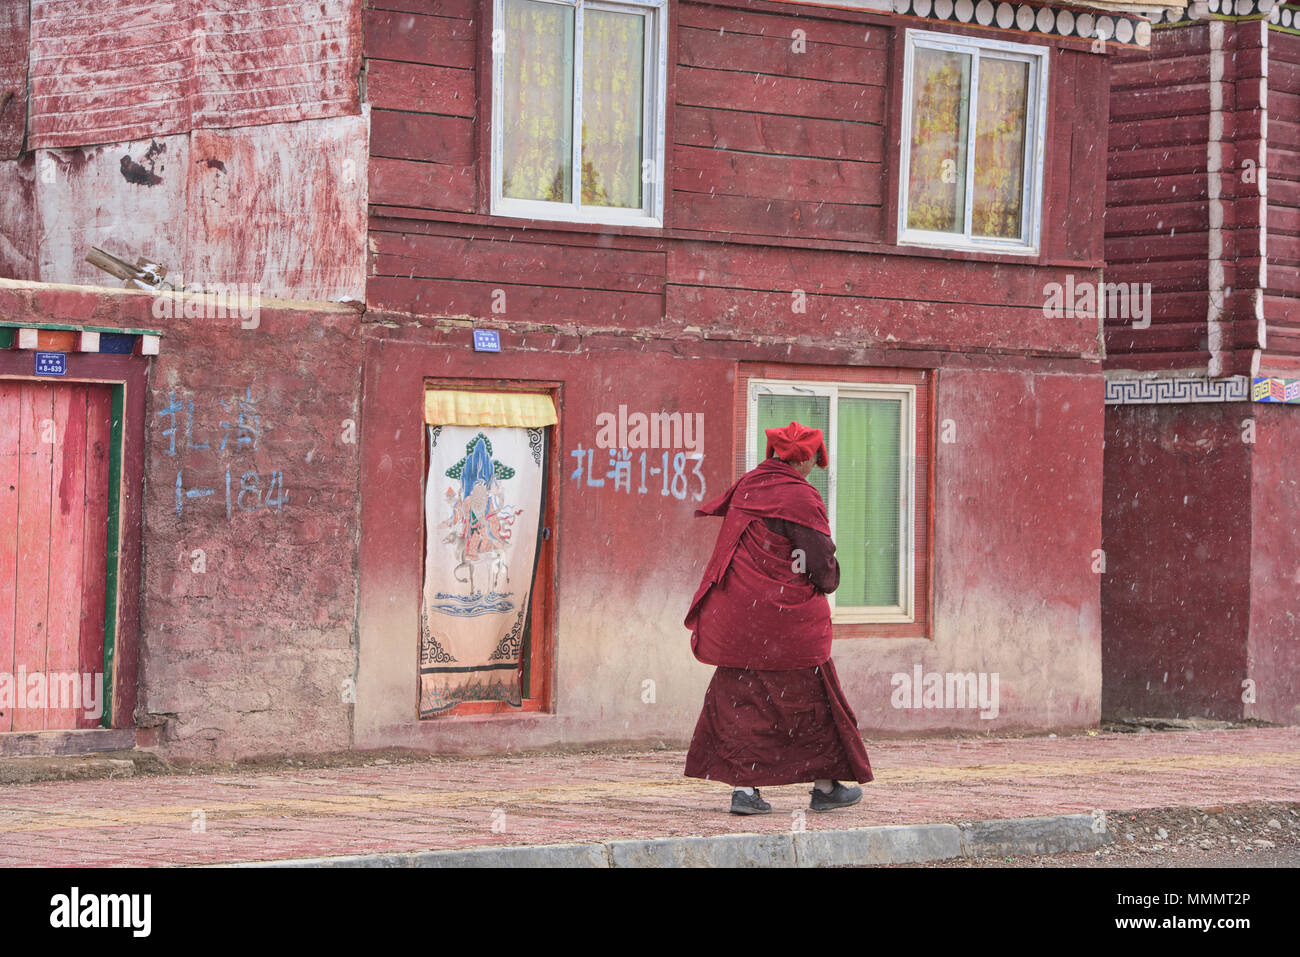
<point x="774" y="712"/>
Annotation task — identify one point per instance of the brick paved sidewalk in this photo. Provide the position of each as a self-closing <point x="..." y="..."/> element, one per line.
<point x="443" y="804"/>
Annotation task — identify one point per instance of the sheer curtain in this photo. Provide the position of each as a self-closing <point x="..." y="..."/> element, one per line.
<point x="1003" y="105"/>
<point x="537" y="112"/>
<point x="613" y="70"/>
<point x="940" y="107"/>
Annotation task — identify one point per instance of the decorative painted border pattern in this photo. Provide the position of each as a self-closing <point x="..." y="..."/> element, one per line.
<point x="1199" y="12"/>
<point x="61" y="337"/>
<point x="1272" y="389"/>
<point x="1285" y="18"/>
<point x="1176" y="390"/>
<point x="1124" y="29"/>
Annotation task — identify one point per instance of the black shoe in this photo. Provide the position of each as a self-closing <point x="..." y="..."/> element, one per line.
<point x="742" y="803"/>
<point x="839" y="796"/>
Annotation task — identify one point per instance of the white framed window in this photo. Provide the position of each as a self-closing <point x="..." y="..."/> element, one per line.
<point x="974" y="119"/>
<point x="869" y="486"/>
<point x="597" y="67"/>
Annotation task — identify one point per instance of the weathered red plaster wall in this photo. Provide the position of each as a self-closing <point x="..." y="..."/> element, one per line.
<point x="1018" y="520"/>
<point x="251" y="654"/>
<point x="1273" y="662"/>
<point x="1176" y="529"/>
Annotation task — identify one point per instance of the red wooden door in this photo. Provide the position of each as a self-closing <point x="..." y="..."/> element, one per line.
<point x="54" y="486"/>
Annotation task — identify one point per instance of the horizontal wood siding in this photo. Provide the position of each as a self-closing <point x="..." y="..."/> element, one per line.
<point x="1282" y="296"/>
<point x="777" y="207"/>
<point x="1157" y="205"/>
<point x="421" y="83"/>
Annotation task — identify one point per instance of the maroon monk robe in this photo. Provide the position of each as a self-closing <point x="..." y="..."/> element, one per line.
<point x="774" y="712"/>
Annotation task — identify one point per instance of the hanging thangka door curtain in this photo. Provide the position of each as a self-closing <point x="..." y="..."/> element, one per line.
<point x="483" y="502"/>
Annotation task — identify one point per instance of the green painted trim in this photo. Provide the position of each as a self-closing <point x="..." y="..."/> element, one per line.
<point x="1281" y="29"/>
<point x="65" y="327"/>
<point x="117" y="431"/>
<point x="7" y="337"/>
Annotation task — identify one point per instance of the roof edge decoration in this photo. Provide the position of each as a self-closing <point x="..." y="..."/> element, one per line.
<point x="1116" y="23"/>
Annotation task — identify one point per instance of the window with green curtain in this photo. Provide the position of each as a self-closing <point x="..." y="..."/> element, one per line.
<point x="867" y="453"/>
<point x="867" y="488"/>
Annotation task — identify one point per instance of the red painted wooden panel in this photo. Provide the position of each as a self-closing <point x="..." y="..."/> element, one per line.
<point x="524" y="303"/>
<point x="769" y="133"/>
<point x="852" y="274"/>
<point x="1158" y="71"/>
<point x="730" y="50"/>
<point x="537" y="263"/>
<point x="883" y="322"/>
<point x="787" y="96"/>
<point x="1157" y="189"/>
<point x="398" y="182"/>
<point x="95" y="541"/>
<point x="422" y="136"/>
<point x="31" y="620"/>
<point x="461" y="9"/>
<point x="419" y="88"/>
<point x="439" y="41"/>
<point x="1160" y="131"/>
<point x="1144" y="220"/>
<point x="67" y="562"/>
<point x="1189" y="100"/>
<point x="819" y="25"/>
<point x="1181" y="247"/>
<point x="9" y="469"/>
<point x="1159" y="161"/>
<point x="157" y="67"/>
<point x="1086" y="182"/>
<point x="727" y="173"/>
<point x="774" y="217"/>
<point x="1284" y="74"/>
<point x="1159" y="338"/>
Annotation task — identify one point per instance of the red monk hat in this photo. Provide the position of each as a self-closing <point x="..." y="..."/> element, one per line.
<point x="797" y="443"/>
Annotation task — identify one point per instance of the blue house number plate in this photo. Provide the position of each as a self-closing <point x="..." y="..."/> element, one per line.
<point x="487" y="340"/>
<point x="51" y="363"/>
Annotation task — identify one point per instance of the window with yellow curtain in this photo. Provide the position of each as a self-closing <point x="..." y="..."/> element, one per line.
<point x="578" y="109"/>
<point x="973" y="126"/>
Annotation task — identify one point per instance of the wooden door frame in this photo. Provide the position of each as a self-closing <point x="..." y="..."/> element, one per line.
<point x="127" y="375"/>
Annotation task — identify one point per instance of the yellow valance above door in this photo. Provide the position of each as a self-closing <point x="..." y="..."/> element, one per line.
<point x="528" y="410"/>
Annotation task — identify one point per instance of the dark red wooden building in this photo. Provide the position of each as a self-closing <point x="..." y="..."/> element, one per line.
<point x="613" y="240"/>
<point x="1202" y="590"/>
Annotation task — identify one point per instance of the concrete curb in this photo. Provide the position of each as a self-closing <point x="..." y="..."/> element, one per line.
<point x="863" y="846"/>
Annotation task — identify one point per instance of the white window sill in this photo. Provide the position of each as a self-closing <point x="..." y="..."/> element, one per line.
<point x="562" y="214"/>
<point x="993" y="249"/>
